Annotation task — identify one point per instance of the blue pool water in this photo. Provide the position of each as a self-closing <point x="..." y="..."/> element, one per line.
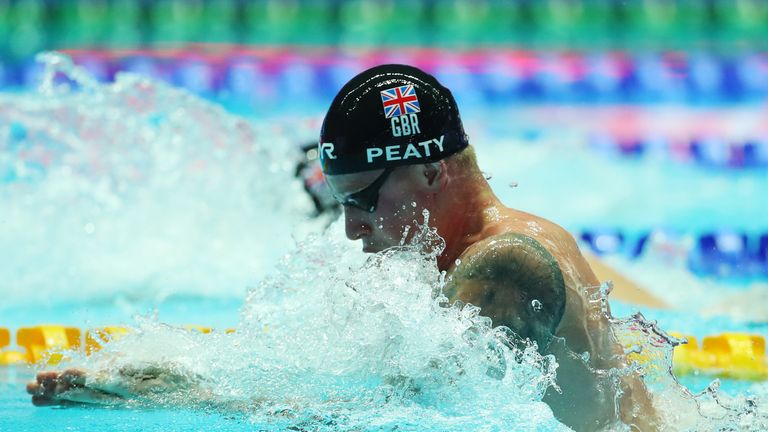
<point x="17" y="414"/>
<point x="170" y="208"/>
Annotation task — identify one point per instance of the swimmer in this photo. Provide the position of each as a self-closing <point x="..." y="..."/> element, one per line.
<point x="308" y="170"/>
<point x="393" y="144"/>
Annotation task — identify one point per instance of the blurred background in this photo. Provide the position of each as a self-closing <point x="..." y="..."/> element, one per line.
<point x="639" y="125"/>
<point x="492" y="51"/>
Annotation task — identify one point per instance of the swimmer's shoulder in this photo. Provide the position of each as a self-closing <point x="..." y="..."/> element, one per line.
<point x="542" y="229"/>
<point x="506" y="251"/>
<point x="553" y="237"/>
<point x="515" y="281"/>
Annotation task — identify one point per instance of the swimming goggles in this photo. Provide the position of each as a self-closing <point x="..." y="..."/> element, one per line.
<point x="365" y="199"/>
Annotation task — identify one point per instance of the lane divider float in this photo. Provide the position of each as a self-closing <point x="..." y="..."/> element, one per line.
<point x="47" y="344"/>
<point x="729" y="355"/>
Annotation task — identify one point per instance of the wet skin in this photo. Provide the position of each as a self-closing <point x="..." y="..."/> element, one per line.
<point x="395" y="207"/>
<point x="69" y="387"/>
<point x="78" y="386"/>
<point x="49" y="384"/>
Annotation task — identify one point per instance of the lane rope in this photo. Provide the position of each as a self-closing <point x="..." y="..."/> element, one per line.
<point x="728" y="355"/>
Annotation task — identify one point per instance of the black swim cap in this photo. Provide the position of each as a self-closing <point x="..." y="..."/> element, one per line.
<point x="390" y="115"/>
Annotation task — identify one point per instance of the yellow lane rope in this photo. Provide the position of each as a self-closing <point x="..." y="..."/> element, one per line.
<point x="728" y="355"/>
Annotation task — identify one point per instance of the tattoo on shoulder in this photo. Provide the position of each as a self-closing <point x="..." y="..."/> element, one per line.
<point x="516" y="282"/>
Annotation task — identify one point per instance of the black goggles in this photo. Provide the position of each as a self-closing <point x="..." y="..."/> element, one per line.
<point x="365" y="199"/>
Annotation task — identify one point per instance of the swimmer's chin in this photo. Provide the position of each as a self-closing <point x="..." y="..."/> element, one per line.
<point x="373" y="248"/>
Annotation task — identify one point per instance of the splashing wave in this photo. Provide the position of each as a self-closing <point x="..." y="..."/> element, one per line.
<point x="139" y="189"/>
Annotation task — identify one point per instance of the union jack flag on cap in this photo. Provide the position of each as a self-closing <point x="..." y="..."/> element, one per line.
<point x="400" y="101"/>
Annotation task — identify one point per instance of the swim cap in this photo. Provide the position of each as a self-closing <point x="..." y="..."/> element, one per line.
<point x="387" y="116"/>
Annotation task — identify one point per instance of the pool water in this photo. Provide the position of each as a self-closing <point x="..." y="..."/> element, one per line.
<point x="136" y="198"/>
<point x="17" y="413"/>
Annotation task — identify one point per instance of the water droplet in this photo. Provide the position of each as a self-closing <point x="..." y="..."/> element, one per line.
<point x="89" y="228"/>
<point x="458" y="262"/>
<point x="406" y="230"/>
<point x="536" y="305"/>
<point x="413" y="203"/>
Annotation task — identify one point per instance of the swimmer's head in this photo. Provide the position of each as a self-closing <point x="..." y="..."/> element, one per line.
<point x="383" y="147"/>
<point x="388" y="116"/>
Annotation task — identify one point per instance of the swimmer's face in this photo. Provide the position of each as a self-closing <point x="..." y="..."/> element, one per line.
<point x="394" y="209"/>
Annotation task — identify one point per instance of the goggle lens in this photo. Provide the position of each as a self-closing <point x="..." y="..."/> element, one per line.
<point x="365" y="199"/>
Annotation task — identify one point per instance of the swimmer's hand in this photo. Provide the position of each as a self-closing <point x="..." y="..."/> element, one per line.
<point x="67" y="387"/>
<point x="128" y="384"/>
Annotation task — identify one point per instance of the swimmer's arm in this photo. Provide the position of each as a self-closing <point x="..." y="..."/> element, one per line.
<point x="127" y="384"/>
<point x="515" y="282"/>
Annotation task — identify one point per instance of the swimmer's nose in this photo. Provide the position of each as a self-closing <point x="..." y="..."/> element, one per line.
<point x="356" y="227"/>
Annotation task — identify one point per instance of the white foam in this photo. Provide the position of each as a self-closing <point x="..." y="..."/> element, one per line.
<point x="332" y="336"/>
<point x="138" y="189"/>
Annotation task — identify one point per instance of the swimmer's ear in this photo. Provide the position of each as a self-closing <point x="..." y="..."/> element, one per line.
<point x="435" y="173"/>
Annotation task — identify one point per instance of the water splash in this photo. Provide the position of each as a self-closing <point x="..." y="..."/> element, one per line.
<point x="337" y="340"/>
<point x="334" y="337"/>
<point x="649" y="349"/>
<point x="138" y="189"/>
<point x="536" y="305"/>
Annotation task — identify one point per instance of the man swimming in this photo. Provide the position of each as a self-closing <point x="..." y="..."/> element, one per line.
<point x="392" y="144"/>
